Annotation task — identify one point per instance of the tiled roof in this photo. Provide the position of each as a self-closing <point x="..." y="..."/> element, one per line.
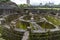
<point x="8" y="5"/>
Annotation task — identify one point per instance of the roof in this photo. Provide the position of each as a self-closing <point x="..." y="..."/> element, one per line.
<point x="8" y="5"/>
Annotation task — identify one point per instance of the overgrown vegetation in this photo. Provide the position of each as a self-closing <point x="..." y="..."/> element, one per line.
<point x="37" y="17"/>
<point x="1" y="32"/>
<point x="54" y="20"/>
<point x="23" y="5"/>
<point x="22" y="25"/>
<point x="11" y="18"/>
<point x="4" y="0"/>
<point x="45" y="36"/>
<point x="46" y="25"/>
<point x="27" y="17"/>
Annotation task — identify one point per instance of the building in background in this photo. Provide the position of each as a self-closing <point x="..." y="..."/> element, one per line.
<point x="49" y="4"/>
<point x="28" y="1"/>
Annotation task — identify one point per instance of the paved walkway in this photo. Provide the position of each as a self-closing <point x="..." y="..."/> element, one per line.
<point x="36" y="26"/>
<point x="26" y="35"/>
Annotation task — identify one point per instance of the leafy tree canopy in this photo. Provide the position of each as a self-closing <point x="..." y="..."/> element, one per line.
<point x="23" y="5"/>
<point x="4" y="0"/>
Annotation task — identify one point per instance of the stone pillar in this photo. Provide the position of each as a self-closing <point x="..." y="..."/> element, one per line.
<point x="57" y="15"/>
<point x="38" y="11"/>
<point x="2" y="20"/>
<point x="3" y="12"/>
<point x="26" y="11"/>
<point x="9" y="12"/>
<point x="29" y="29"/>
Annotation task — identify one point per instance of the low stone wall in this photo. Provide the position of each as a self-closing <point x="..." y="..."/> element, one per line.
<point x="39" y="11"/>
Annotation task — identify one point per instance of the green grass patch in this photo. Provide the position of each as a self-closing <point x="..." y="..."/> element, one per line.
<point x="22" y="25"/>
<point x="48" y="8"/>
<point x="54" y="20"/>
<point x="46" y="25"/>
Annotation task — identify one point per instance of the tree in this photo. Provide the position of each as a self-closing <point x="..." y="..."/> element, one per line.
<point x="23" y="5"/>
<point x="4" y="0"/>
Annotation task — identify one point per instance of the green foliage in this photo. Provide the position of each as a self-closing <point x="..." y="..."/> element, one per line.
<point x="8" y="34"/>
<point x="46" y="25"/>
<point x="4" y="0"/>
<point x="1" y="32"/>
<point x="11" y="18"/>
<point x="23" y="5"/>
<point x="22" y="25"/>
<point x="32" y="28"/>
<point x="28" y="17"/>
<point x="54" y="20"/>
<point x="37" y="18"/>
<point x="45" y="36"/>
<point x="0" y="29"/>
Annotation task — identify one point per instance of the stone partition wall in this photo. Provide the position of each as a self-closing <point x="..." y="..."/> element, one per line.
<point x="39" y="11"/>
